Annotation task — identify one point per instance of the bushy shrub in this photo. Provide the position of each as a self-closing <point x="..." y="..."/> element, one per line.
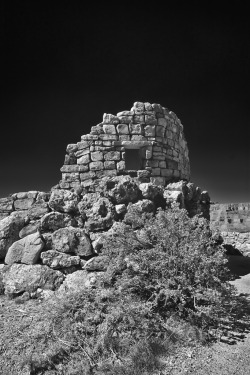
<point x="162" y="267"/>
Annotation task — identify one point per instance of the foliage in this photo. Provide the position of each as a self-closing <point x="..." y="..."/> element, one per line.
<point x="163" y="268"/>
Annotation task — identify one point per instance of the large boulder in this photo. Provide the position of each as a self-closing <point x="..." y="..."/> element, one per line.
<point x="99" y="263"/>
<point x="38" y="209"/>
<point x="9" y="232"/>
<point x="72" y="240"/>
<point x="63" y="201"/>
<point x="55" y="259"/>
<point x="19" y="278"/>
<point x="27" y="250"/>
<point x="150" y="191"/>
<point x="55" y="220"/>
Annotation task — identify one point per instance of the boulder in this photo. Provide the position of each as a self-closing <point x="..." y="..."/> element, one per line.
<point x="100" y="215"/>
<point x="72" y="240"/>
<point x="55" y="220"/>
<point x="38" y="209"/>
<point x="6" y="204"/>
<point x="87" y="202"/>
<point x="55" y="259"/>
<point x="9" y="232"/>
<point x="63" y="201"/>
<point x="122" y="189"/>
<point x="29" y="229"/>
<point x="19" y="278"/>
<point x="23" y="203"/>
<point x="77" y="281"/>
<point x="27" y="250"/>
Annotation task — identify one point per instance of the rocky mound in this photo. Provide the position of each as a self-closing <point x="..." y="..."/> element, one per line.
<point x="51" y="241"/>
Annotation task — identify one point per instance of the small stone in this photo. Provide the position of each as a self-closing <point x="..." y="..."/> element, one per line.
<point x="109" y="129"/>
<point x="96" y="165"/>
<point x="96" y="156"/>
<point x="122" y="129"/>
<point x="120" y="209"/>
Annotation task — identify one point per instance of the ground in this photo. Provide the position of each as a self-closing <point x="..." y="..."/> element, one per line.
<point x="20" y="325"/>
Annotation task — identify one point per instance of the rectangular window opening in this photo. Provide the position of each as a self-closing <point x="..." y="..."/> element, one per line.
<point x="133" y="160"/>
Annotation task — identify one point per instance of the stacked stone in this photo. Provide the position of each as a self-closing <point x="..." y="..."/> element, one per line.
<point x="151" y="128"/>
<point x="230" y="217"/>
<point x="31" y="203"/>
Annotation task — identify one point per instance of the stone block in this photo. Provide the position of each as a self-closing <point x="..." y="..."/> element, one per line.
<point x="153" y="163"/>
<point x="97" y="129"/>
<point x="136" y="128"/>
<point x="83" y="144"/>
<point x="149" y="131"/>
<point x="148" y="154"/>
<point x="156" y="171"/>
<point x="87" y="175"/>
<point x="122" y="129"/>
<point x="138" y="107"/>
<point x="158" y="156"/>
<point x="138" y="137"/>
<point x="96" y="165"/>
<point x="83" y="168"/>
<point x="162" y="122"/>
<point x="89" y="137"/>
<point x="124" y="137"/>
<point x="110" y="119"/>
<point x="166" y="172"/>
<point x="70" y="159"/>
<point x="87" y="183"/>
<point x="72" y="147"/>
<point x="127" y="119"/>
<point x="70" y="168"/>
<point x="106" y="173"/>
<point x="6" y="204"/>
<point x="150" y="120"/>
<point x="121" y="165"/>
<point x="83" y="159"/>
<point x="107" y="143"/>
<point x="82" y="152"/>
<point x="96" y="156"/>
<point x="23" y="204"/>
<point x="148" y="107"/>
<point x="70" y="177"/>
<point x="108" y="137"/>
<point x="109" y="129"/>
<point x="162" y="164"/>
<point x="160" y="130"/>
<point x="112" y="155"/>
<point x="169" y="134"/>
<point x="157" y="108"/>
<point x="125" y="113"/>
<point x="109" y="164"/>
<point x="172" y="164"/>
<point x="138" y="118"/>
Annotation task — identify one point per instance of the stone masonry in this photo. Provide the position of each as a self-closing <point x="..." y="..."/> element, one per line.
<point x="154" y="131"/>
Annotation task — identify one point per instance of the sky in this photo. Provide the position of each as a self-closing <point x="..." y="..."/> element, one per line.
<point x="66" y="64"/>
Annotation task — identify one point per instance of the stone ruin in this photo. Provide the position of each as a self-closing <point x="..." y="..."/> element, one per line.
<point x="147" y="142"/>
<point x="52" y="241"/>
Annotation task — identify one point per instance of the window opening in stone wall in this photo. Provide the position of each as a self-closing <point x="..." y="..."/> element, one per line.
<point x="241" y="220"/>
<point x="133" y="159"/>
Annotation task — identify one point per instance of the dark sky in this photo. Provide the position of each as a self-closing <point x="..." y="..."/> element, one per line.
<point x="66" y="64"/>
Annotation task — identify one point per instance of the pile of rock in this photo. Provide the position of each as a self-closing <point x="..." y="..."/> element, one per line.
<point x="54" y="240"/>
<point x="154" y="131"/>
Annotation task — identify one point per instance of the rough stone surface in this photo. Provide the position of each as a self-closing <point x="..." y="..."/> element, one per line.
<point x="72" y="240"/>
<point x="19" y="278"/>
<point x="77" y="281"/>
<point x="55" y="220"/>
<point x="56" y="260"/>
<point x="63" y="201"/>
<point x="9" y="232"/>
<point x="27" y="250"/>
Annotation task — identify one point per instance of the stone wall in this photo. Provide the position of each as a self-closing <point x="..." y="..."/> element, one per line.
<point x="154" y="131"/>
<point x="230" y="217"/>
